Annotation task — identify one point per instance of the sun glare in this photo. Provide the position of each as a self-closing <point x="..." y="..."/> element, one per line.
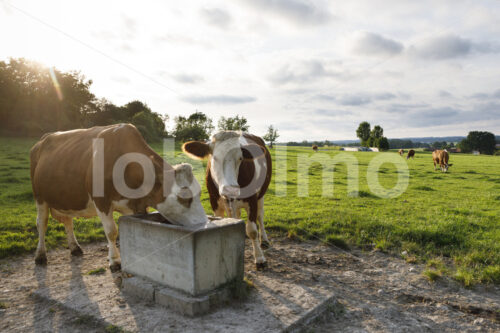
<point x="56" y="84"/>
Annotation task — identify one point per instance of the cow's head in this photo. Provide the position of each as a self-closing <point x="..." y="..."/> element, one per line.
<point x="182" y="203"/>
<point x="446" y="166"/>
<point x="225" y="152"/>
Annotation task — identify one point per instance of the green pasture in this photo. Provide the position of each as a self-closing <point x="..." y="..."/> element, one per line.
<point x="450" y="221"/>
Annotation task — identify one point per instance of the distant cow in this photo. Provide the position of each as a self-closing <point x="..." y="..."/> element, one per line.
<point x="315" y="147"/>
<point x="411" y="153"/>
<point x="441" y="157"/>
<point x="238" y="173"/>
<point x="401" y="152"/>
<point x="66" y="168"/>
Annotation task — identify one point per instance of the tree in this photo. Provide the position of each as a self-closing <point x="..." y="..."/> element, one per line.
<point x="233" y="124"/>
<point x="484" y="142"/>
<point x="35" y="99"/>
<point x="271" y="135"/>
<point x="363" y="133"/>
<point x="150" y="124"/>
<point x="383" y="143"/>
<point x="377" y="132"/>
<point x="465" y="146"/>
<point x="195" y="127"/>
<point x="371" y="142"/>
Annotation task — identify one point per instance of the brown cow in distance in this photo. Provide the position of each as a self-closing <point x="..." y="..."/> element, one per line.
<point x="401" y="152"/>
<point x="441" y="157"/>
<point x="411" y="153"/>
<point x="239" y="171"/>
<point x="74" y="174"/>
<point x="315" y="147"/>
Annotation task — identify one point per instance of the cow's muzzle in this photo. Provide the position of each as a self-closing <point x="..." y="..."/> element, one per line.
<point x="230" y="192"/>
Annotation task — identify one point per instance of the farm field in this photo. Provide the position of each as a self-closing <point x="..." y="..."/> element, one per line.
<point x="450" y="221"/>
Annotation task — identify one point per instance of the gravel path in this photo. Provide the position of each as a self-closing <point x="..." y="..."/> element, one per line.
<point x="375" y="292"/>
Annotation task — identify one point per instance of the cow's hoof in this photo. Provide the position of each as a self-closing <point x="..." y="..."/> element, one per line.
<point x="261" y="265"/>
<point x="77" y="252"/>
<point x="115" y="267"/>
<point x="41" y="260"/>
<point x="264" y="244"/>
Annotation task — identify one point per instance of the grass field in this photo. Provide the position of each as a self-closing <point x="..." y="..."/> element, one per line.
<point x="449" y="221"/>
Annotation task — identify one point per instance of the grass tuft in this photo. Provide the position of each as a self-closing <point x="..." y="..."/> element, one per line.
<point x="97" y="271"/>
<point x="432" y="275"/>
<point x="424" y="188"/>
<point x="336" y="242"/>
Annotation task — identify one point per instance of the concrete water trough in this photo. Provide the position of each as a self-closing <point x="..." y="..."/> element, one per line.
<point x="189" y="269"/>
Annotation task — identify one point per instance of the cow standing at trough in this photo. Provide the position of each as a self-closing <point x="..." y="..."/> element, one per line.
<point x="96" y="171"/>
<point x="441" y="157"/>
<point x="237" y="176"/>
<point x="411" y="153"/>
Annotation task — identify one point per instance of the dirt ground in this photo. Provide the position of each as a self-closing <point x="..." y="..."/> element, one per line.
<point x="375" y="292"/>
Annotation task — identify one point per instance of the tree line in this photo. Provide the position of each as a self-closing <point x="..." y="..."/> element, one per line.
<point x="35" y="100"/>
<point x="372" y="137"/>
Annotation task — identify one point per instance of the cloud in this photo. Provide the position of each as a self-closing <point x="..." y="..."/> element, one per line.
<point x="404" y="108"/>
<point x="126" y="47"/>
<point x="182" y="40"/>
<point x="216" y="17"/>
<point x="360" y="98"/>
<point x="301" y="12"/>
<point x="324" y="97"/>
<point x="373" y="44"/>
<point x="332" y="113"/>
<point x="188" y="78"/>
<point x="301" y="72"/>
<point x="218" y="99"/>
<point x="121" y="79"/>
<point x="130" y="27"/>
<point x="493" y="95"/>
<point x="384" y="96"/>
<point x="355" y="99"/>
<point x="438" y="116"/>
<point x="450" y="46"/>
<point x="444" y="94"/>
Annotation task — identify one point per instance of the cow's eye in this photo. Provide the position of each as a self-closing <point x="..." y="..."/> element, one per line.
<point x="241" y="159"/>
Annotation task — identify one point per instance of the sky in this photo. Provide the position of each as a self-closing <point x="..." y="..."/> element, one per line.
<point x="314" y="69"/>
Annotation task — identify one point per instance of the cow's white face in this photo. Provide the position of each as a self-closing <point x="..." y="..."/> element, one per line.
<point x="226" y="153"/>
<point x="225" y="163"/>
<point x="445" y="167"/>
<point x="182" y="204"/>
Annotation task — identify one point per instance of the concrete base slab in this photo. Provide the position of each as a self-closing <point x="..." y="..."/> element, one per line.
<point x="173" y="299"/>
<point x="276" y="302"/>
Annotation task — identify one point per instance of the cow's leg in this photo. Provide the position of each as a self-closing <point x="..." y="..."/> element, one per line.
<point x="42" y="219"/>
<point x="264" y="241"/>
<point x="252" y="233"/>
<point x="73" y="245"/>
<point x="221" y="208"/>
<point x="111" y="232"/>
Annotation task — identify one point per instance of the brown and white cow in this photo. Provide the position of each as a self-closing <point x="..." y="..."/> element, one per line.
<point x="74" y="175"/>
<point x="441" y="157"/>
<point x="401" y="152"/>
<point x="237" y="176"/>
<point x="411" y="153"/>
<point x="315" y="147"/>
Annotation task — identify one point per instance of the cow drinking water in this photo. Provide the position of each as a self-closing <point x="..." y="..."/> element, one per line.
<point x="72" y="177"/>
